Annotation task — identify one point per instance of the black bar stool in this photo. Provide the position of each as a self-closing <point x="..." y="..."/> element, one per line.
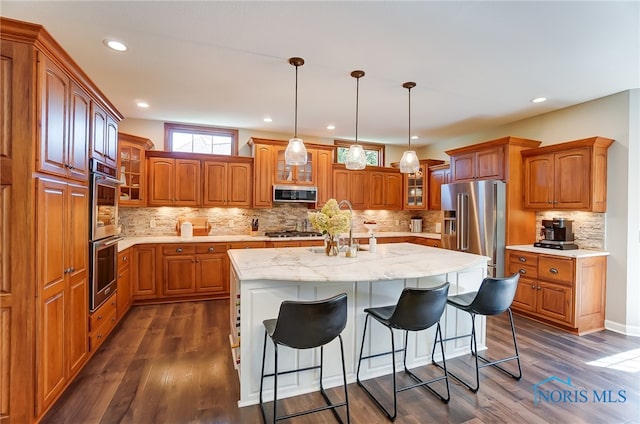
<point x="305" y="325"/>
<point x="492" y="298"/>
<point x="417" y="309"/>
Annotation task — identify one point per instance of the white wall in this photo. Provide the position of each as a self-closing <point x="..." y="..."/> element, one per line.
<point x="615" y="117"/>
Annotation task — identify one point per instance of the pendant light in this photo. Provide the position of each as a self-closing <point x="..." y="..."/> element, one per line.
<point x="296" y="153"/>
<point x="409" y="164"/>
<point x="356" y="158"/>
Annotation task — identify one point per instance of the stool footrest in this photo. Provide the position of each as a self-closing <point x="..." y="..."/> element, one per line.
<point x="315" y="367"/>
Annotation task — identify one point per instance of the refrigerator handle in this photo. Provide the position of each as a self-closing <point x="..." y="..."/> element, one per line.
<point x="462" y="242"/>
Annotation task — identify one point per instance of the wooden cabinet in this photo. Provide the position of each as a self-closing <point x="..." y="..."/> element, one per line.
<point x="481" y="161"/>
<point x="64" y="113"/>
<point x="174" y="182"/>
<point x="426" y="241"/>
<point x="102" y="322"/>
<point x="562" y="291"/>
<point x="143" y="272"/>
<point x="195" y="269"/>
<point x="270" y="168"/>
<point x="296" y="243"/>
<point x="385" y="189"/>
<point x="124" y="283"/>
<point x="352" y="186"/>
<point x="438" y="175"/>
<point x="104" y="135"/>
<point x="62" y="286"/>
<point x="417" y="186"/>
<point x="569" y="176"/>
<point x="227" y="183"/>
<point x="131" y="165"/>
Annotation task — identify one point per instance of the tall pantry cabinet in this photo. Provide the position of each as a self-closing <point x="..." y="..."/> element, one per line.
<point x="46" y="139"/>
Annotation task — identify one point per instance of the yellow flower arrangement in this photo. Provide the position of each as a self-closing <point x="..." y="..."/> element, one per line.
<point x="331" y="220"/>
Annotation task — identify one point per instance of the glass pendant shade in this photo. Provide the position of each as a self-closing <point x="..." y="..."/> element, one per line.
<point x="356" y="158"/>
<point x="296" y="153"/>
<point x="409" y="164"/>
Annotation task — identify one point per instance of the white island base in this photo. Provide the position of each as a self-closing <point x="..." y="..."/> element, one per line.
<point x="262" y="278"/>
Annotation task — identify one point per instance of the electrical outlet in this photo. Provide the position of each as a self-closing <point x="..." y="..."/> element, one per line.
<point x="397" y="222"/>
<point x="152" y="223"/>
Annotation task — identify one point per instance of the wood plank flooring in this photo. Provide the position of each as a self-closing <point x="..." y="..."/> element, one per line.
<point x="171" y="364"/>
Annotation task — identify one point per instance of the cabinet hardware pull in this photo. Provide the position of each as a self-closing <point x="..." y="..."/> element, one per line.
<point x="179" y="250"/>
<point x="539" y="288"/>
<point x="533" y="286"/>
<point x="522" y="271"/>
<point x="124" y="259"/>
<point x="553" y="270"/>
<point x="211" y="249"/>
<point x="99" y="316"/>
<point x="119" y="275"/>
<point x="522" y="259"/>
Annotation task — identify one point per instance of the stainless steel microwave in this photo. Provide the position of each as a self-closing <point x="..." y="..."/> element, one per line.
<point x="299" y="194"/>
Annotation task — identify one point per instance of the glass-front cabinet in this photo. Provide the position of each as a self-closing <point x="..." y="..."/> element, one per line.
<point x="416" y="186"/>
<point x="287" y="174"/>
<point x="131" y="155"/>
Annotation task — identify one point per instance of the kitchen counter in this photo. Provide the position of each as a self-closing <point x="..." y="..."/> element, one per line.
<point x="576" y="253"/>
<point x="262" y="278"/>
<point x="127" y="242"/>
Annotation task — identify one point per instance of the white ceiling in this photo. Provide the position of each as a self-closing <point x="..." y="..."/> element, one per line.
<point x="476" y="64"/>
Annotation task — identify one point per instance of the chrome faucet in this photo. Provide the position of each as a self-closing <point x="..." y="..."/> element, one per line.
<point x="348" y="203"/>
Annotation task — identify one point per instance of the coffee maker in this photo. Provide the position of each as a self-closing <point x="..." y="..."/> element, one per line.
<point x="557" y="233"/>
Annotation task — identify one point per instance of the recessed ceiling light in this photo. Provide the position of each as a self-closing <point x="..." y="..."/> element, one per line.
<point x="267" y="119"/>
<point x="331" y="127"/>
<point x="115" y="45"/>
<point x="415" y="137"/>
<point x="539" y="100"/>
<point x="142" y="104"/>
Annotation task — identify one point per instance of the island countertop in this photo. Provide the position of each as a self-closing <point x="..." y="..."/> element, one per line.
<point x="389" y="262"/>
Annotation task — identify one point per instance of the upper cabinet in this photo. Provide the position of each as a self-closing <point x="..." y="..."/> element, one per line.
<point x="351" y="185"/>
<point x="131" y="163"/>
<point x="104" y="136"/>
<point x="438" y="175"/>
<point x="569" y="176"/>
<point x="417" y="187"/>
<point x="271" y="168"/>
<point x="174" y="182"/>
<point x="227" y="183"/>
<point x="371" y="188"/>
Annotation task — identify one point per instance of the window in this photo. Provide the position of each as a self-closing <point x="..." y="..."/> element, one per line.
<point x="374" y="152"/>
<point x="200" y="139"/>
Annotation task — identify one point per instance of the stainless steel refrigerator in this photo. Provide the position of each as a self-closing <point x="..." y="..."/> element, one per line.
<point x="474" y="220"/>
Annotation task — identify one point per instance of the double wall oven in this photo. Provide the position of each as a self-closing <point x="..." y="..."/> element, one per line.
<point x="103" y="225"/>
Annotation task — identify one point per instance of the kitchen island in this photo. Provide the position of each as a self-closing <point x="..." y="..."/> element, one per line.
<point x="262" y="278"/>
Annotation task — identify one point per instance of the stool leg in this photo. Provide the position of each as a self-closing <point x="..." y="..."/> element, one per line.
<point x="264" y="352"/>
<point x="344" y="379"/>
<point x="364" y="335"/>
<point x="275" y="383"/>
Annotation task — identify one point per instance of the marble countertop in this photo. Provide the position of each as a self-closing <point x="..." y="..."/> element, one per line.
<point x="389" y="262"/>
<point x="127" y="242"/>
<point x="577" y="253"/>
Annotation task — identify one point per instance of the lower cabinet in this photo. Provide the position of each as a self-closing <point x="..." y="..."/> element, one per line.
<point x="562" y="291"/>
<point x="427" y="241"/>
<point x="143" y="272"/>
<point x="102" y="321"/>
<point x="189" y="269"/>
<point x="124" y="283"/>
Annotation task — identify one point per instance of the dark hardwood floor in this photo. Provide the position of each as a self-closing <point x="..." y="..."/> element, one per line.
<point x="171" y="364"/>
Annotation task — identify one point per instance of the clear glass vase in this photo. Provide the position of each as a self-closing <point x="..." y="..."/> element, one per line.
<point x="331" y="245"/>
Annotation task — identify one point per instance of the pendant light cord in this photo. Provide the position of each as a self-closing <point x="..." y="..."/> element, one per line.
<point x="295" y="130"/>
<point x="409" y="118"/>
<point x="357" y="92"/>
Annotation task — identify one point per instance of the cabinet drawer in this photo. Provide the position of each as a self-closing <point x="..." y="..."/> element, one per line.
<point x="107" y="309"/>
<point x="178" y="249"/>
<point x="211" y="248"/>
<point x="553" y="268"/>
<point x="99" y="334"/>
<point x="524" y="258"/>
<point x="124" y="258"/>
<point x="530" y="271"/>
<point x="247" y="245"/>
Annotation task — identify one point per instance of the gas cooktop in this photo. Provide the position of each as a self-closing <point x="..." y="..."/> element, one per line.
<point x="292" y="233"/>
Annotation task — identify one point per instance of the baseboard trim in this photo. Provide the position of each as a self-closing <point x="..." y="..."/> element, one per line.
<point x="627" y="330"/>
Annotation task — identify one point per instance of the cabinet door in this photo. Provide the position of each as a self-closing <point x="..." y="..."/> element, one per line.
<point x="179" y="274"/>
<point x="463" y="167"/>
<point x="143" y="272"/>
<point x="358" y="189"/>
<point x="393" y="191"/>
<point x="572" y="179"/>
<point x="78" y="151"/>
<point x="187" y="182"/>
<point x="538" y="182"/>
<point x="98" y="132"/>
<point x="415" y="193"/>
<point x="215" y="183"/>
<point x="131" y="165"/>
<point x="490" y="164"/>
<point x="54" y="118"/>
<point x="212" y="273"/>
<point x="263" y="160"/>
<point x="239" y="185"/>
<point x="341" y="184"/>
<point x="377" y="189"/>
<point x="436" y="179"/>
<point x="124" y="283"/>
<point x="111" y="141"/>
<point x="323" y="174"/>
<point x="555" y="302"/>
<point x="525" y="298"/>
<point x="161" y="180"/>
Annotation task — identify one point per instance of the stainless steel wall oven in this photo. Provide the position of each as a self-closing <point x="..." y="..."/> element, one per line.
<point x="103" y="242"/>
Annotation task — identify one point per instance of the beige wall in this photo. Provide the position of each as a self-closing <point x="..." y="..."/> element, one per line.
<point x="616" y="117"/>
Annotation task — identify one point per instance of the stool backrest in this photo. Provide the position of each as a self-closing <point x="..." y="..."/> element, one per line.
<point x="307" y="324"/>
<point x="418" y="309"/>
<point x="495" y="295"/>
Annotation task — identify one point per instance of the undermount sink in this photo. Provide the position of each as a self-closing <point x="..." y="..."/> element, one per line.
<point x="361" y="248"/>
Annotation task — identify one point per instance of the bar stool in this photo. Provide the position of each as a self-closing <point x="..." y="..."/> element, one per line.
<point x="417" y="309"/>
<point x="492" y="298"/>
<point x="305" y="325"/>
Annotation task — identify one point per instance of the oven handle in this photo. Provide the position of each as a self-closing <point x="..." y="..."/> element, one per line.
<point x="109" y="242"/>
<point x="107" y="179"/>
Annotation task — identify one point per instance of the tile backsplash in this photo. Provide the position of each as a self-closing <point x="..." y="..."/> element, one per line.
<point x="235" y="221"/>
<point x="588" y="227"/>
